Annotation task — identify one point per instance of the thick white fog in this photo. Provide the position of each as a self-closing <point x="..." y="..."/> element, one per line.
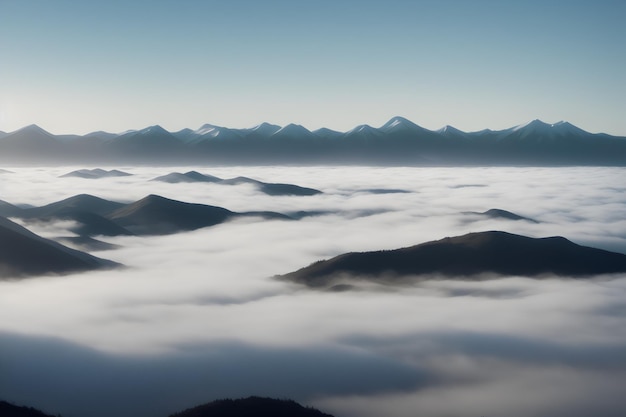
<point x="197" y="316"/>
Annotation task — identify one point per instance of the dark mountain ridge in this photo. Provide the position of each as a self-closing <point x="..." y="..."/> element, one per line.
<point x="25" y="254"/>
<point x="77" y="203"/>
<point x="151" y="215"/>
<point x="243" y="407"/>
<point x="251" y="407"/>
<point x="10" y="410"/>
<point x="86" y="210"/>
<point x="159" y="215"/>
<point x="492" y="252"/>
<point x="397" y="142"/>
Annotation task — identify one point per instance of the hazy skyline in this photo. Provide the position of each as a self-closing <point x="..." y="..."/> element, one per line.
<point x="79" y="67"/>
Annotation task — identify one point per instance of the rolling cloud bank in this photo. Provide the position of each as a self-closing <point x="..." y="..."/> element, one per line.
<point x="199" y="315"/>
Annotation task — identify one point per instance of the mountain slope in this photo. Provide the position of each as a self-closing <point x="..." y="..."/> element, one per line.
<point x="25" y="253"/>
<point x="10" y="410"/>
<point x="92" y="224"/>
<point x="86" y="210"/>
<point x="9" y="210"/>
<point x="475" y="253"/>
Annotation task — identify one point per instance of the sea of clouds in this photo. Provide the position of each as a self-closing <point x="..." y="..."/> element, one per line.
<point x="197" y="316"/>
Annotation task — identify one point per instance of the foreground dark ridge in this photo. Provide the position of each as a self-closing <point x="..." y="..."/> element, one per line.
<point x="398" y="142"/>
<point x="246" y="407"/>
<point x="26" y="254"/>
<point x="491" y="252"/>
<point x="495" y="213"/>
<point x="11" y="410"/>
<point x="96" y="173"/>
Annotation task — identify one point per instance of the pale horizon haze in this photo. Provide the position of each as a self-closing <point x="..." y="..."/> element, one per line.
<point x="78" y="67"/>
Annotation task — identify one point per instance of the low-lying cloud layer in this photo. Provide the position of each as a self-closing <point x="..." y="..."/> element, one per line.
<point x="196" y="316"/>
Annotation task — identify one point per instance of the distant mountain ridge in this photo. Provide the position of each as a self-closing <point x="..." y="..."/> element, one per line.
<point x="397" y="142"/>
<point x="96" y="173"/>
<point x="267" y="188"/>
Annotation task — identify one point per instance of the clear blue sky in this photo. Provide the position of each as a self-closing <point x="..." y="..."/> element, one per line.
<point x="79" y="66"/>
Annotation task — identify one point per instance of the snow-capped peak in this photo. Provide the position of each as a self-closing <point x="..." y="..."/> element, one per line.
<point x="533" y="124"/>
<point x="564" y="126"/>
<point x="153" y="130"/>
<point x="206" y="128"/>
<point x="265" y="128"/>
<point x="449" y="129"/>
<point x="558" y="127"/>
<point x="293" y="129"/>
<point x="361" y="129"/>
<point x="34" y="129"/>
<point x="398" y="122"/>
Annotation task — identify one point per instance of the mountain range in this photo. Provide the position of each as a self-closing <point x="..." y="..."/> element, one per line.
<point x="25" y="253"/>
<point x="151" y="215"/>
<point x="491" y="252"/>
<point x="96" y="173"/>
<point x="397" y="142"/>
